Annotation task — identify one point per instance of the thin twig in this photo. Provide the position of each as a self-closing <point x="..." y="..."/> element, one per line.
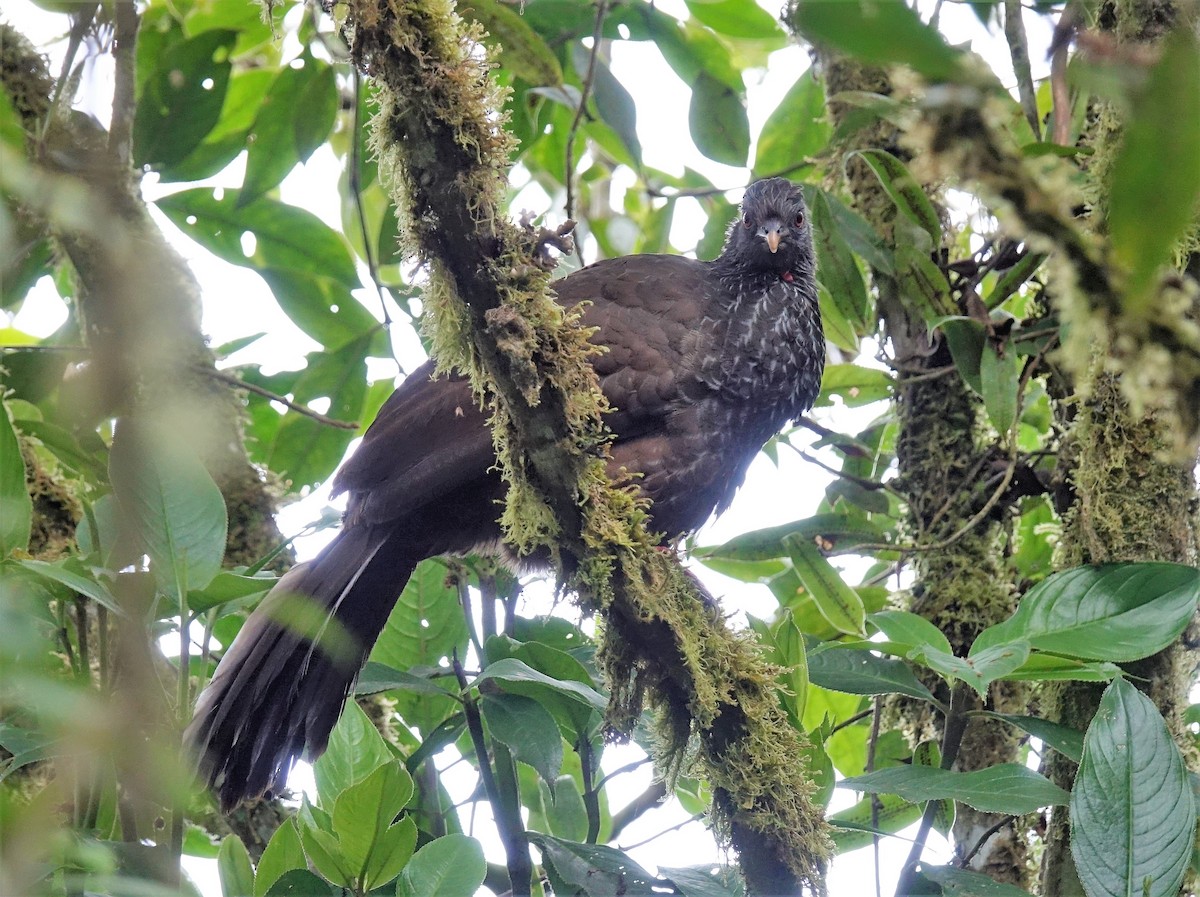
<point x="585" y="91"/>
<point x="953" y="730"/>
<point x="80" y="23"/>
<point x="238" y="383"/>
<point x="650" y="798"/>
<point x="628" y="767"/>
<point x="970" y="854"/>
<point x="676" y="827"/>
<point x="1018" y="48"/>
<point x="858" y="717"/>
<point x="868" y="484"/>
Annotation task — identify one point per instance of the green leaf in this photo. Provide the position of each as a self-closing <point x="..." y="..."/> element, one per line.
<point x="529" y="731"/>
<point x="590" y="869"/>
<point x="377" y="677"/>
<point x="957" y="882"/>
<point x="226" y="587"/>
<point x="879" y="32"/>
<point x="280" y="138"/>
<point x="16" y="507"/>
<point x="613" y="101"/>
<point x="1006" y="788"/>
<point x="909" y="629"/>
<point x="978" y="670"/>
<point x="355" y="751"/>
<point x="836" y="267"/>
<point x="283" y="854"/>
<point x="450" y="866"/>
<point x="1064" y="739"/>
<point x="323" y="307"/>
<point x="286" y="237"/>
<point x="854" y="384"/>
<point x="234" y="869"/>
<point x="838" y="603"/>
<point x="1050" y="668"/>
<point x="1014" y="278"/>
<point x="797" y="130"/>
<point x="176" y="508"/>
<point x="83" y="583"/>
<point x="221" y="146"/>
<point x="999" y="376"/>
<point x="374" y="848"/>
<point x="1158" y="167"/>
<point x="523" y="51"/>
<point x="736" y="18"/>
<point x="1116" y="612"/>
<point x="517" y="677"/>
<point x="180" y="102"/>
<point x="858" y="671"/>
<point x="718" y="121"/>
<point x="1133" y="814"/>
<point x="967" y="340"/>
<point x="843" y="531"/>
<point x="853" y="828"/>
<point x="301" y="883"/>
<point x="902" y="188"/>
<point x="705" y="880"/>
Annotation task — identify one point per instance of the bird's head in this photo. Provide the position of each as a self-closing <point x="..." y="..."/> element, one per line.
<point x="771" y="233"/>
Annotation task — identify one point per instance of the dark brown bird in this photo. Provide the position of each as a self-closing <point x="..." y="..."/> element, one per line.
<point x="705" y="362"/>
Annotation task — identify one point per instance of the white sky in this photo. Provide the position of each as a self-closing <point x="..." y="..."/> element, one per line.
<point x="237" y="303"/>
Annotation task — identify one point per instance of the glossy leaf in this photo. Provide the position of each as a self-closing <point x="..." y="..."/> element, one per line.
<point x="910" y="629"/>
<point x="902" y="188"/>
<point x="593" y="870"/>
<point x="373" y="847"/>
<point x="518" y="677"/>
<point x="705" y="880"/>
<point x="524" y="52"/>
<point x="737" y="19"/>
<point x="1115" y="612"/>
<point x="1133" y="814"/>
<point x="449" y="866"/>
<point x="1065" y="740"/>
<point x="957" y="882"/>
<point x="529" y="731"/>
<point x="853" y="828"/>
<point x="841" y="531"/>
<point x="978" y="670"/>
<point x="836" y="266"/>
<point x="355" y="751"/>
<point x="860" y="672"/>
<point x="1006" y="788"/>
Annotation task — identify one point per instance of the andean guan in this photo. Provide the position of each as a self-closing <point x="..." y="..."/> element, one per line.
<point x="705" y="361"/>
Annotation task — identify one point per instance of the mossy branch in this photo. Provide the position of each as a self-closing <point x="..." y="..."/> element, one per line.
<point x="445" y="153"/>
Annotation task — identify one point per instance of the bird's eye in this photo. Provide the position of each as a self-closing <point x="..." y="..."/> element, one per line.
<point x="746" y="220"/>
<point x="799" y="219"/>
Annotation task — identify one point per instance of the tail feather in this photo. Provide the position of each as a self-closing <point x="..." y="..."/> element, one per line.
<point x="279" y="689"/>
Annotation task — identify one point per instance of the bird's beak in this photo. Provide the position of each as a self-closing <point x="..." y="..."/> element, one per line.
<point x="771" y="231"/>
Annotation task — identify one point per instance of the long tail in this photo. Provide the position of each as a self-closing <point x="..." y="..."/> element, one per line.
<point x="279" y="689"/>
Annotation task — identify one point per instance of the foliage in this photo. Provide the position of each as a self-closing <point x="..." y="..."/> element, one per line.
<point x="112" y="537"/>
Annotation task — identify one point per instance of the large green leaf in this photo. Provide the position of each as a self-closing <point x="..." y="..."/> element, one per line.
<point x="858" y="671"/>
<point x="613" y="102"/>
<point x="957" y="882"/>
<point x="355" y="750"/>
<point x="450" y="866"/>
<point x="593" y="870"/>
<point x="980" y="669"/>
<point x="519" y="677"/>
<point x="283" y="854"/>
<point x="374" y="847"/>
<point x="1065" y="740"/>
<point x="1115" y="612"/>
<point x="321" y="306"/>
<point x="285" y="236"/>
<point x="529" y="731"/>
<point x="838" y="603"/>
<point x="705" y="880"/>
<point x="234" y="869"/>
<point x="718" y="120"/>
<point x="280" y="137"/>
<point x="836" y="266"/>
<point x="904" y="190"/>
<point x="737" y="18"/>
<point x="999" y="376"/>
<point x="180" y="102"/>
<point x="1133" y="815"/>
<point x="797" y="130"/>
<point x="880" y="32"/>
<point x="858" y="826"/>
<point x="842" y="531"/>
<point x="174" y="505"/>
<point x="1156" y="175"/>
<point x="1006" y="788"/>
<point x="524" y="52"/>
<point x="16" y="507"/>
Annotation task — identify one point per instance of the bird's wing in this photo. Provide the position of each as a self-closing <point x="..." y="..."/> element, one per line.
<point x="430" y="438"/>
